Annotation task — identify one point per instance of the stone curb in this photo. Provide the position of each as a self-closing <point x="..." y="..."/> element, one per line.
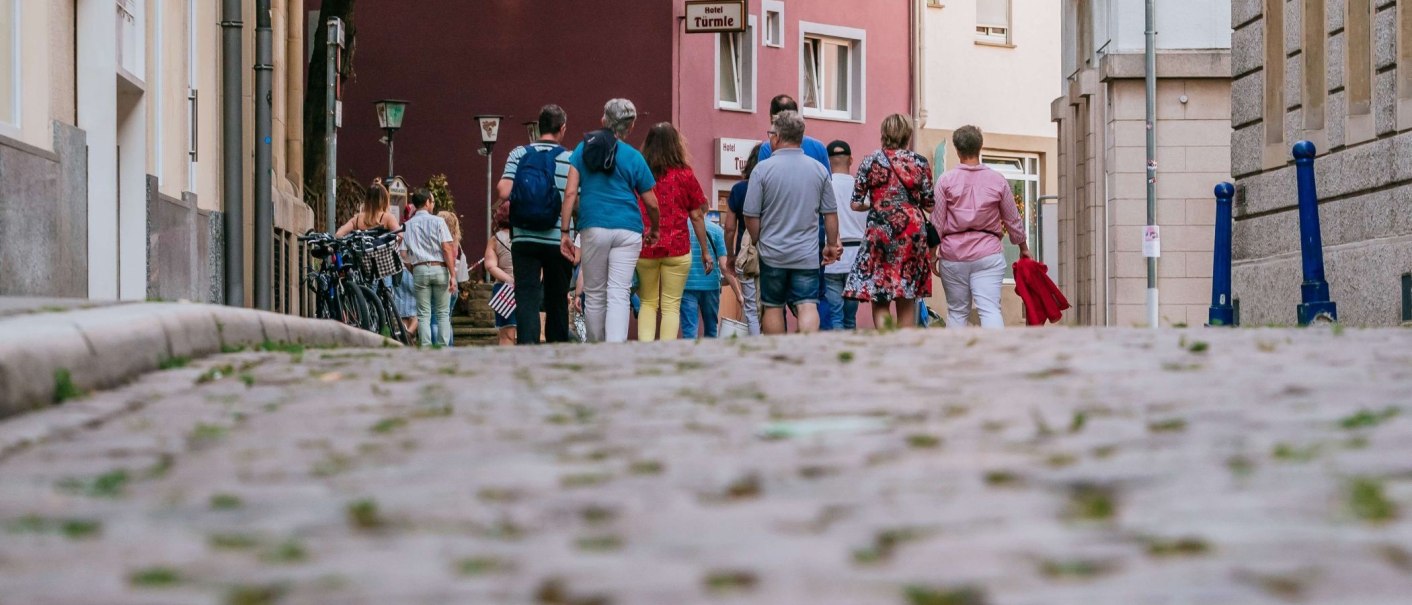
<point x="104" y="347"/>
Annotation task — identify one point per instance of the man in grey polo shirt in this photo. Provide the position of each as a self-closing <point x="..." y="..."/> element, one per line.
<point x="786" y="196"/>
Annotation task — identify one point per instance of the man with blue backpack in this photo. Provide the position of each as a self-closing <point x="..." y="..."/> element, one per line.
<point x="533" y="185"/>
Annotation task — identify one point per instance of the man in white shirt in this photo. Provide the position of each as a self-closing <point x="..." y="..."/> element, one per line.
<point x="431" y="253"/>
<point x="852" y="228"/>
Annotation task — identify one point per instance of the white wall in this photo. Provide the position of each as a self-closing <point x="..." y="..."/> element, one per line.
<point x="1001" y="90"/>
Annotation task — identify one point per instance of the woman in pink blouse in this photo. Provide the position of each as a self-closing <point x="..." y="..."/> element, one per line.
<point x="975" y="204"/>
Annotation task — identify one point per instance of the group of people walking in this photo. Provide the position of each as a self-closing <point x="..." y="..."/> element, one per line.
<point x="586" y="228"/>
<point x="431" y="252"/>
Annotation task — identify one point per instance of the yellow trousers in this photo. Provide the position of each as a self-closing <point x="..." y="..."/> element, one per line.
<point x="661" y="282"/>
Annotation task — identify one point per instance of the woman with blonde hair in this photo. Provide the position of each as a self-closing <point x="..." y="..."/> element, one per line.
<point x="664" y="265"/>
<point x="894" y="186"/>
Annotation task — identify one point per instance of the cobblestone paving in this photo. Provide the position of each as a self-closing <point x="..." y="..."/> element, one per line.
<point x="923" y="468"/>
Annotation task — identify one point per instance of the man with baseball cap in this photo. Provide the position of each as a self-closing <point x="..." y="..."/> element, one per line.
<point x="851" y="229"/>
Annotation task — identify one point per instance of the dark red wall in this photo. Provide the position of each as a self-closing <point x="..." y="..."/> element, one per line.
<point x="454" y="59"/>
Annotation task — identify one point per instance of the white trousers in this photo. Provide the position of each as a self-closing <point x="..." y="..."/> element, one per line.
<point x="750" y="292"/>
<point x="977" y="280"/>
<point x="608" y="262"/>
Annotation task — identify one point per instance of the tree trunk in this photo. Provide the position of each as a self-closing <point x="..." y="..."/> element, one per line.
<point x="315" y="96"/>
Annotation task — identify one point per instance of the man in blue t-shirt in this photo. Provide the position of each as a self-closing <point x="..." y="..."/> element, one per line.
<point x="702" y="297"/>
<point x="815" y="149"/>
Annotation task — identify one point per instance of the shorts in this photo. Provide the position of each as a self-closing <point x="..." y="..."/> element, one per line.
<point x="780" y="287"/>
<point x="504" y="322"/>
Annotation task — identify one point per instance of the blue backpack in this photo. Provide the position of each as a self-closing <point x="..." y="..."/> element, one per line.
<point x="535" y="203"/>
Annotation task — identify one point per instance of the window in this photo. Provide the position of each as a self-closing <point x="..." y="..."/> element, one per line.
<point x="1315" y="87"/>
<point x="735" y="69"/>
<point x="1274" y="70"/>
<point x="774" y="24"/>
<point x="993" y="21"/>
<point x="1023" y="173"/>
<point x="9" y="56"/>
<point x="832" y="71"/>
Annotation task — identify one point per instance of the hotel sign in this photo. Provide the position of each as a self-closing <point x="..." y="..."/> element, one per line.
<point x="731" y="155"/>
<point x="712" y="17"/>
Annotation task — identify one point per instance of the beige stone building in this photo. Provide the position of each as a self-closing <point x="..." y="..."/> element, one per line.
<point x="991" y="63"/>
<point x="1337" y="73"/>
<point x="111" y="165"/>
<point x="1102" y="156"/>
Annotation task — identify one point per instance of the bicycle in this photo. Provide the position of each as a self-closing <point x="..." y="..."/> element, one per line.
<point x="375" y="254"/>
<point x="336" y="284"/>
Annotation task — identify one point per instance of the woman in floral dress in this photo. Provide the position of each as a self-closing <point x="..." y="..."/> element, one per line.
<point x="895" y="186"/>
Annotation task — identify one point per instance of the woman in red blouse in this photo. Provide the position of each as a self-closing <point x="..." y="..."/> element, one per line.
<point x="662" y="268"/>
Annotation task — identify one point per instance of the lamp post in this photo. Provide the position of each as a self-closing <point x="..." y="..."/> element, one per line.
<point x="390" y="114"/>
<point x="489" y="126"/>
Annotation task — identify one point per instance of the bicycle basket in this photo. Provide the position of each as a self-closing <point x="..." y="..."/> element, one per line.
<point x="381" y="261"/>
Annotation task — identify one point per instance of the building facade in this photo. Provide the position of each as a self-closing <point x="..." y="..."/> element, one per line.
<point x="1337" y="73"/>
<point x="1102" y="156"/>
<point x="848" y="63"/>
<point x="110" y="149"/>
<point x="991" y="64"/>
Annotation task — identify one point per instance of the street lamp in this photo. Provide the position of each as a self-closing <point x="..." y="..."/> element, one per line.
<point x="489" y="126"/>
<point x="390" y="114"/>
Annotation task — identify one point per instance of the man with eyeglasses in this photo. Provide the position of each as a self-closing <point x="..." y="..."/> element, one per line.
<point x="815" y="149"/>
<point x="788" y="197"/>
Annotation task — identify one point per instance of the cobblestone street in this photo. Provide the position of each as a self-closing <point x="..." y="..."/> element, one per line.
<point x="1029" y="467"/>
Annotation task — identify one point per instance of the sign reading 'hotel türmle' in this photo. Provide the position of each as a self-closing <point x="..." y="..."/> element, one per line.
<point x="710" y="17"/>
<point x="731" y="155"/>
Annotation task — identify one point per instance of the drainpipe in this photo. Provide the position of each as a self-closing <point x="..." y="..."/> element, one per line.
<point x="1152" y="320"/>
<point x="264" y="206"/>
<point x="919" y="55"/>
<point x="232" y="189"/>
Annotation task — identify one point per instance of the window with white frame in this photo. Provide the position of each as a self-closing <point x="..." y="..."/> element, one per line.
<point x="735" y="69"/>
<point x="1022" y="172"/>
<point x="774" y="24"/>
<point x="9" y="58"/>
<point x="832" y="72"/>
<point x="993" y="21"/>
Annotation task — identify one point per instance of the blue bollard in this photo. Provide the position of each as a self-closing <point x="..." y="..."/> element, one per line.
<point x="1222" y="313"/>
<point x="1315" y="290"/>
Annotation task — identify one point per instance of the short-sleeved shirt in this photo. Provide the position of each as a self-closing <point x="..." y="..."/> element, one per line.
<point x="678" y="194"/>
<point x="788" y="193"/>
<point x="697" y="279"/>
<point x="608" y="200"/>
<point x="812" y="147"/>
<point x="852" y="225"/>
<point x="561" y="180"/>
<point x="422" y="240"/>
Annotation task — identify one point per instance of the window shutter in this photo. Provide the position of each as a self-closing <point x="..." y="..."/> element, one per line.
<point x="993" y="13"/>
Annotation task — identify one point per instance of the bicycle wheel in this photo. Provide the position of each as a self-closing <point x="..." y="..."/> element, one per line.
<point x="355" y="309"/>
<point x="372" y="321"/>
<point x="396" y="330"/>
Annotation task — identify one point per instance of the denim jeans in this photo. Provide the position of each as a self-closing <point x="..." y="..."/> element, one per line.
<point x="436" y="331"/>
<point x="433" y="300"/>
<point x="751" y="312"/>
<point x="843" y="312"/>
<point x="780" y="287"/>
<point x="703" y="303"/>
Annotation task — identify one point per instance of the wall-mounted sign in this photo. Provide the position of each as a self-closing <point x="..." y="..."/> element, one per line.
<point x="704" y="17"/>
<point x="731" y="155"/>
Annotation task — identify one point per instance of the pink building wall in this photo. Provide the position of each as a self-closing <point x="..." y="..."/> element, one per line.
<point x="887" y="77"/>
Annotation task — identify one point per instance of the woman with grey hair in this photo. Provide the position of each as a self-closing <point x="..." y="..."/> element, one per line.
<point x="609" y="179"/>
